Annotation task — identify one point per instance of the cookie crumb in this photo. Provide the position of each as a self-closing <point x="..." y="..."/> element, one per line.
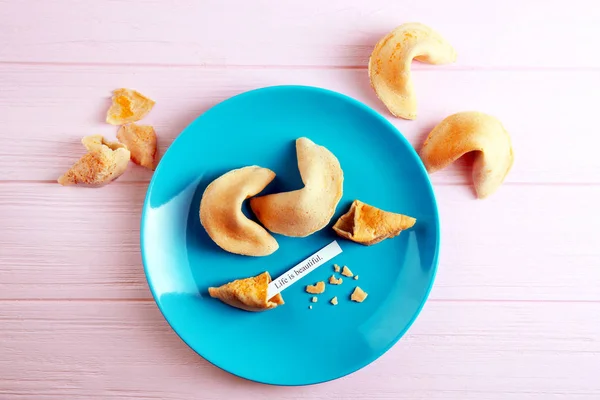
<point x="334" y="281"/>
<point x="314" y="299"/>
<point x="317" y="288"/>
<point x="346" y="272"/>
<point x="355" y="277"/>
<point x="358" y="295"/>
<point x="310" y="307"/>
<point x="336" y="268"/>
<point x="334" y="301"/>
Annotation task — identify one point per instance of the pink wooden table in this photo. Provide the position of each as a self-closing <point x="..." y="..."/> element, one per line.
<point x="515" y="312"/>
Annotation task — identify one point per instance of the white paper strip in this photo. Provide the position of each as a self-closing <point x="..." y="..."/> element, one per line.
<point x="303" y="268"/>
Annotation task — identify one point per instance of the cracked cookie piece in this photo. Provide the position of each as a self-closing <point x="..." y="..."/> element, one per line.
<point x="249" y="294"/>
<point x="369" y="225"/>
<point x="128" y="106"/>
<point x="103" y="163"/>
<point x="346" y="272"/>
<point x="358" y="295"/>
<point x="317" y="288"/>
<point x="141" y="142"/>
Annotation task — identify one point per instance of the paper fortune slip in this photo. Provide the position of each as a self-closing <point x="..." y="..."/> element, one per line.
<point x="303" y="268"/>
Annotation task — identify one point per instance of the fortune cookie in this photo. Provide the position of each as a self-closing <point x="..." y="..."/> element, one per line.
<point x="469" y="131"/>
<point x="304" y="211"/>
<point x="389" y="64"/>
<point x="221" y="212"/>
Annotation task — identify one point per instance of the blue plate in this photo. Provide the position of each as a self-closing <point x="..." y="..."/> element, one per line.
<point x="292" y="344"/>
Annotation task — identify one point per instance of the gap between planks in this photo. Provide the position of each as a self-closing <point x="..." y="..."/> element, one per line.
<point x="415" y="66"/>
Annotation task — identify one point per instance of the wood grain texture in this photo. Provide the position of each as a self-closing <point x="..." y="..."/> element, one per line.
<point x="47" y="110"/>
<point x="456" y="350"/>
<point x="505" y="34"/>
<point x="521" y="244"/>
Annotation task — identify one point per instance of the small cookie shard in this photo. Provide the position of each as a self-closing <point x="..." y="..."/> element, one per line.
<point x="304" y="211"/>
<point x="355" y="277"/>
<point x="104" y="162"/>
<point x="248" y="294"/>
<point x="465" y="132"/>
<point x="314" y="299"/>
<point x="334" y="301"/>
<point x="346" y="272"/>
<point x="128" y="106"/>
<point x="336" y="268"/>
<point x="369" y="225"/>
<point x="141" y="142"/>
<point x="317" y="288"/>
<point x="222" y="217"/>
<point x="358" y="295"/>
<point x="310" y="307"/>
<point x="334" y="281"/>
<point x="390" y="63"/>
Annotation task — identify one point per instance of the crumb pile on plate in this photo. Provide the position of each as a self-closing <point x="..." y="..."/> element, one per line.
<point x="358" y="295"/>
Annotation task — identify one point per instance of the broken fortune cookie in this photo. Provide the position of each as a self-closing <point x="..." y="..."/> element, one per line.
<point x="248" y="294"/>
<point x="141" y="142"/>
<point x="369" y="225"/>
<point x="103" y="163"/>
<point x="128" y="106"/>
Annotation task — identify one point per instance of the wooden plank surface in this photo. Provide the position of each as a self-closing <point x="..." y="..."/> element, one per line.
<point x="467" y="350"/>
<point x="48" y="109"/>
<point x="507" y="34"/>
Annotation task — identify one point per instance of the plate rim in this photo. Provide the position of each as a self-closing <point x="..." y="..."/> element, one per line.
<point x="396" y="131"/>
